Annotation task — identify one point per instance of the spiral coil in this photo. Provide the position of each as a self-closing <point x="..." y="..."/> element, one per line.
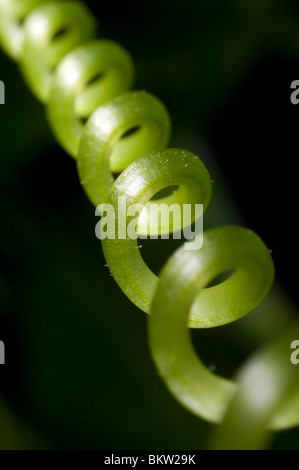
<point x="79" y="79"/>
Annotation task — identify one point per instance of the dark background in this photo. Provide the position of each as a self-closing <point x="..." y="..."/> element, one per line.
<point x="79" y="372"/>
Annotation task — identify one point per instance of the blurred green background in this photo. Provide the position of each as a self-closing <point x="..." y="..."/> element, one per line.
<point x="78" y="370"/>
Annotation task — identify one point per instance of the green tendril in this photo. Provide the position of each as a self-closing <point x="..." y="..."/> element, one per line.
<point x="51" y="31"/>
<point x="138" y="184"/>
<point x="104" y="147"/>
<point x="86" y="78"/>
<point x="267" y="398"/>
<point x="12" y="15"/>
<point x="181" y="298"/>
<point x="82" y="79"/>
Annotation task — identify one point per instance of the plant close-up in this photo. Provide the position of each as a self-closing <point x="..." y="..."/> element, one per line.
<point x="121" y="327"/>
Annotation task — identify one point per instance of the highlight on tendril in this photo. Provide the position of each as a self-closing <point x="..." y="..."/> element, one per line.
<point x="86" y="78"/>
<point x="266" y="399"/>
<point x="12" y="16"/>
<point x="105" y="149"/>
<point x="182" y="298"/>
<point x="50" y="32"/>
<point x="84" y="84"/>
<point x="139" y="183"/>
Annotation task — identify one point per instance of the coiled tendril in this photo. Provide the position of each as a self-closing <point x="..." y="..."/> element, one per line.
<point x="80" y="78"/>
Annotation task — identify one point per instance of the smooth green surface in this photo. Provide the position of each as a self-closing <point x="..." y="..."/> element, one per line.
<point x="178" y="301"/>
<point x="50" y="32"/>
<point x="74" y="95"/>
<point x="266" y="400"/>
<point x="12" y="12"/>
<point x="138" y="184"/>
<point x="103" y="151"/>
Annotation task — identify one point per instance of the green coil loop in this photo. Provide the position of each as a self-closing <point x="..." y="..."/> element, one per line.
<point x="183" y="298"/>
<point x="12" y="15"/>
<point x="87" y="77"/>
<point x="83" y="79"/>
<point x="50" y="32"/>
<point x="139" y="183"/>
<point x="104" y="150"/>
